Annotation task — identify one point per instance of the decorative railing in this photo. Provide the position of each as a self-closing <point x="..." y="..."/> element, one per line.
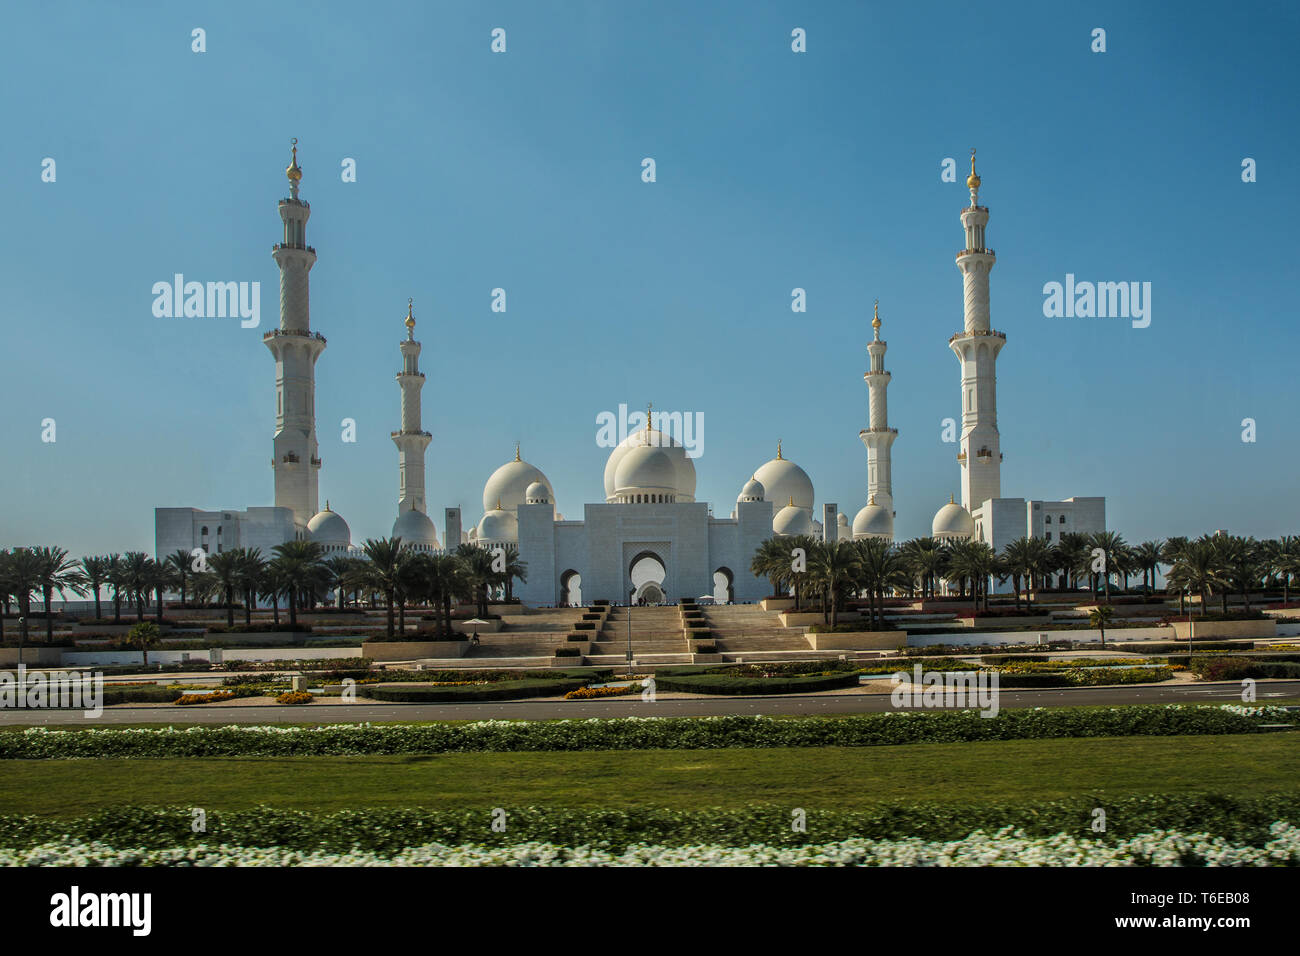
<point x="977" y="334"/>
<point x="308" y="334"/>
<point x="987" y="252"/>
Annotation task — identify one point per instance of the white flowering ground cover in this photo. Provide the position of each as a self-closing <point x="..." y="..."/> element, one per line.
<point x="638" y="733"/>
<point x="1005" y="847"/>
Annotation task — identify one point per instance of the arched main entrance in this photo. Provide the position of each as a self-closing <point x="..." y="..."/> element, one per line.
<point x="647" y="573"/>
<point x="570" y="588"/>
<point x="724" y="586"/>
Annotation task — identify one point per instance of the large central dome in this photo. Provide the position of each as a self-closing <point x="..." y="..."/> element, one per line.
<point x="507" y="487"/>
<point x="647" y="464"/>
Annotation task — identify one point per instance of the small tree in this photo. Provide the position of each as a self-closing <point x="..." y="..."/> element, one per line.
<point x="144" y="636"/>
<point x="1099" y="617"/>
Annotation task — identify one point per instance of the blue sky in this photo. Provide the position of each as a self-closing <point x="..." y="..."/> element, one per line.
<point x="522" y="170"/>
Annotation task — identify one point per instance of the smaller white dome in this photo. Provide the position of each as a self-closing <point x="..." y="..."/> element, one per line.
<point x="842" y="520"/>
<point x="873" y="521"/>
<point x="329" y="529"/>
<point x="953" y="521"/>
<point x="753" y="491"/>
<point x="499" y="526"/>
<point x="416" y="529"/>
<point x="792" y="520"/>
<point x="537" y="494"/>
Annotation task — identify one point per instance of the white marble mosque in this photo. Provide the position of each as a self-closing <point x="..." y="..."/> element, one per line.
<point x="649" y="539"/>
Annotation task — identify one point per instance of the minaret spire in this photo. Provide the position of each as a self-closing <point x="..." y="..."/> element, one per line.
<point x="977" y="347"/>
<point x="412" y="440"/>
<point x="295" y="348"/>
<point x="878" y="437"/>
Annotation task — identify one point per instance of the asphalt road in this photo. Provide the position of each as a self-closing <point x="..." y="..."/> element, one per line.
<point x="1228" y="692"/>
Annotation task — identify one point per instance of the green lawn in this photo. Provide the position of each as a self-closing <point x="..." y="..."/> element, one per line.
<point x="823" y="777"/>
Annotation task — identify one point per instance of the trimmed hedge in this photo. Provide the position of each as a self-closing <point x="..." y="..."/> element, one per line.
<point x="502" y="690"/>
<point x="1236" y="668"/>
<point x="713" y="682"/>
<point x="393" y="829"/>
<point x="140" y="695"/>
<point x="640" y="733"/>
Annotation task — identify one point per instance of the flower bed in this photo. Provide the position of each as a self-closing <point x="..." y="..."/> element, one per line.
<point x="1002" y="848"/>
<point x="595" y="693"/>
<point x="294" y="698"/>
<point x="640" y="733"/>
<point x="760" y="678"/>
<point x="187" y="699"/>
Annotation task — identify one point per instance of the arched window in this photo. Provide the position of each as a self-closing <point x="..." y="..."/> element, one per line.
<point x="205" y="530"/>
<point x="1049" y="519"/>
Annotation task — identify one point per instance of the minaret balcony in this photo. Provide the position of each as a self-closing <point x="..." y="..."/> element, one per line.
<point x="876" y="373"/>
<point x="315" y="462"/>
<point x="280" y="245"/>
<point x="994" y="333"/>
<point x="961" y="456"/>
<point x="982" y="252"/>
<point x="399" y="434"/>
<point x="267" y="336"/>
<point x="878" y="431"/>
<point x="410" y="375"/>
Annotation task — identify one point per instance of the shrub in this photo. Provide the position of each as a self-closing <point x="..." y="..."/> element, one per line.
<point x="563" y="651"/>
<point x="575" y="636"/>
<point x="294" y="698"/>
<point x="706" y="647"/>
<point x="593" y="693"/>
<point x="584" y="625"/>
<point x="721" y="682"/>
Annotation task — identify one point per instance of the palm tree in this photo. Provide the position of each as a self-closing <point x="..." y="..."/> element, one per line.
<point x="1018" y="562"/>
<point x="1112" y="546"/>
<point x="58" y="573"/>
<point x="1147" y="557"/>
<point x="1286" y="560"/>
<point x="1197" y="568"/>
<point x="926" y="559"/>
<point x="271" y="586"/>
<point x="832" y="566"/>
<point x="1099" y="617"/>
<point x="224" y="566"/>
<point x="443" y="573"/>
<point x="772" y="561"/>
<point x="251" y="568"/>
<point x="116" y="578"/>
<point x="412" y="584"/>
<point x="298" y="564"/>
<point x="24" y="575"/>
<point x="162" y="578"/>
<point x="1074" y="557"/>
<point x="182" y="563"/>
<point x="1044" y="559"/>
<point x="1244" y="563"/>
<point x="477" y="574"/>
<point x="144" y="636"/>
<point x="135" y="579"/>
<point x="387" y="555"/>
<point x="515" y="568"/>
<point x="6" y="592"/>
<point x="95" y="572"/>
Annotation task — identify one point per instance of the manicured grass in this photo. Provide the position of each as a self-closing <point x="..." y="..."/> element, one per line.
<point x="823" y="777"/>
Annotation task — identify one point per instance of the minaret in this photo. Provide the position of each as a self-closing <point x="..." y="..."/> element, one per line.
<point x="296" y="348"/>
<point x="412" y="440"/>
<point x="977" y="347"/>
<point x="878" y="436"/>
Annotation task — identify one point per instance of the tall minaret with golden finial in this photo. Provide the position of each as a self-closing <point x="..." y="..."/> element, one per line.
<point x="296" y="348"/>
<point x="977" y="347"/>
<point x="412" y="439"/>
<point x="878" y="437"/>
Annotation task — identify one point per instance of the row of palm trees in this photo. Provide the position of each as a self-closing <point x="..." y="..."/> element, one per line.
<point x="299" y="573"/>
<point x="1212" y="565"/>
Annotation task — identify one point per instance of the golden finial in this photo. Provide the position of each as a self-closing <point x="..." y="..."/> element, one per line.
<point x="410" y="319"/>
<point x="875" y="323"/>
<point x="778" y="450"/>
<point x="973" y="180"/>
<point x="498" y="503"/>
<point x="648" y="407"/>
<point x="792" y="501"/>
<point x="872" y="501"/>
<point x="293" y="171"/>
<point x="517" y="458"/>
<point x="327" y="504"/>
<point x="950" y="501"/>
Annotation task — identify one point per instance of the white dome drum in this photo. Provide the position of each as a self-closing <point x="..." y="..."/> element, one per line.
<point x="683" y="484"/>
<point x="416" y="529"/>
<point x="792" y="520"/>
<point x="953" y="521"/>
<point x="328" y="529"/>
<point x="498" y="526"/>
<point x="873" y="521"/>
<point x="645" y="473"/>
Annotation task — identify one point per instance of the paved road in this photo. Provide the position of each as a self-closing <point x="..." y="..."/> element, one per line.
<point x="627" y="707"/>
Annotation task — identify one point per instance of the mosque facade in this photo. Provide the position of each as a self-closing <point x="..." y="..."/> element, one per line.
<point x="649" y="539"/>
